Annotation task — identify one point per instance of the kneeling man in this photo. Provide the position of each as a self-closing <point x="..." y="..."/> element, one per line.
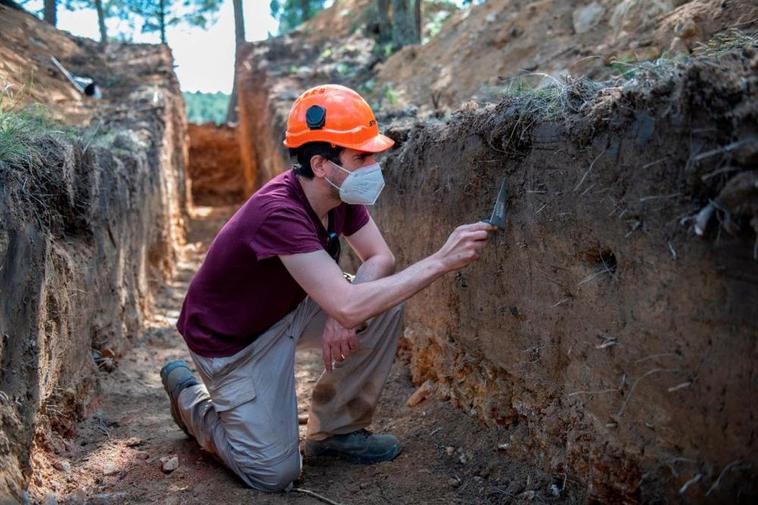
<point x="271" y="281"/>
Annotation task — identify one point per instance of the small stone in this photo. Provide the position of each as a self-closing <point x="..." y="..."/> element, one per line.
<point x="62" y="466"/>
<point x="110" y="469"/>
<point x="527" y="495"/>
<point x="50" y="499"/>
<point x="450" y="450"/>
<point x="134" y="442"/>
<point x="463" y="459"/>
<point x="503" y="447"/>
<point x="142" y="455"/>
<point x="453" y="482"/>
<point x="422" y="393"/>
<point x="169" y="463"/>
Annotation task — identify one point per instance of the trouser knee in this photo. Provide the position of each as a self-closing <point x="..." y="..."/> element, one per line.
<point x="273" y="477"/>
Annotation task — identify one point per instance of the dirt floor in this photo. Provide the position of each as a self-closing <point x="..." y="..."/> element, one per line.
<point x="114" y="457"/>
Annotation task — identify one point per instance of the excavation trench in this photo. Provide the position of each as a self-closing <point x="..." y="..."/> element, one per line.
<point x="598" y="351"/>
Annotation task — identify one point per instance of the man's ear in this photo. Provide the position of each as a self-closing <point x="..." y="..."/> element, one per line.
<point x="318" y="165"/>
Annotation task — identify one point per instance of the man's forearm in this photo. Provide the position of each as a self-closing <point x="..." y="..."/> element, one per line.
<point x="367" y="300"/>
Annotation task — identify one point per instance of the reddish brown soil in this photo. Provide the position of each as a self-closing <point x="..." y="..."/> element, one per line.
<point x="114" y="457"/>
<point x="611" y="341"/>
<point x="215" y="167"/>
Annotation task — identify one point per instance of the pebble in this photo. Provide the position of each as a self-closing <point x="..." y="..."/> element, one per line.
<point x="450" y="450"/>
<point x="454" y="482"/>
<point x="110" y="469"/>
<point x="142" y="455"/>
<point x="527" y="495"/>
<point x="134" y="442"/>
<point x="62" y="466"/>
<point x="169" y="463"/>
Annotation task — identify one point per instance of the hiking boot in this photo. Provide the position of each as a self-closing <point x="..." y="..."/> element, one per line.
<point x="176" y="376"/>
<point x="360" y="446"/>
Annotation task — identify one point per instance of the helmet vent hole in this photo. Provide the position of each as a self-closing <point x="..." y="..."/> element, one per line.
<point x="315" y="117"/>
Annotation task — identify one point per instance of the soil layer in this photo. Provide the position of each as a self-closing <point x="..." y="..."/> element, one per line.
<point x="612" y="343"/>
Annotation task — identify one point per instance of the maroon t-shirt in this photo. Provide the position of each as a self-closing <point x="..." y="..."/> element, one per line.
<point x="242" y="287"/>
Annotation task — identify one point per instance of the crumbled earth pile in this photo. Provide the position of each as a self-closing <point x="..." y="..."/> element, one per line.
<point x="613" y="343"/>
<point x="480" y="50"/>
<point x="90" y="212"/>
<point x="215" y="167"/>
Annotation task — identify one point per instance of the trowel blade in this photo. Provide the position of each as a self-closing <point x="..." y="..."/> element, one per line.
<point x="500" y="210"/>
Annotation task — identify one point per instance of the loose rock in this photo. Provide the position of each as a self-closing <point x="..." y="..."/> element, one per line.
<point x="134" y="442"/>
<point x="110" y="469"/>
<point x="422" y="393"/>
<point x="169" y="463"/>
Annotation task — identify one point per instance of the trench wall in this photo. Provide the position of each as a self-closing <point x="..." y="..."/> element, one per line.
<point x="215" y="167"/>
<point x="610" y="343"/>
<point x="81" y="237"/>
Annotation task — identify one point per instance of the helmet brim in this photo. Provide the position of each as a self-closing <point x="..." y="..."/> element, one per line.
<point x="376" y="144"/>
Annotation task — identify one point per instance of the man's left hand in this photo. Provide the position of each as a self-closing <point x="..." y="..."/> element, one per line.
<point x="337" y="343"/>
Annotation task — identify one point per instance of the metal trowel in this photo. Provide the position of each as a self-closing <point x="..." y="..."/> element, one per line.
<point x="499" y="212"/>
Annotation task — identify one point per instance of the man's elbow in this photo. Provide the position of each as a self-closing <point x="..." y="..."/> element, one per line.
<point x="388" y="263"/>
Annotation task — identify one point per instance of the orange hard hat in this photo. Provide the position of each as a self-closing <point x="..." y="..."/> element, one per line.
<point x="335" y="114"/>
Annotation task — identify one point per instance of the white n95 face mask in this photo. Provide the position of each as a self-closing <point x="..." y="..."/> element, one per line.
<point x="361" y="186"/>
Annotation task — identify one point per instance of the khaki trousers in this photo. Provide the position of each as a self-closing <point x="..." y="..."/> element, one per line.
<point x="245" y="412"/>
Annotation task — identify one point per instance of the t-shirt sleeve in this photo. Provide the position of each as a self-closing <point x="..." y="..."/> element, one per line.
<point x="283" y="232"/>
<point x="356" y="218"/>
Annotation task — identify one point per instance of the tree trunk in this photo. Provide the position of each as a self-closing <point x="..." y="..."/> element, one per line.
<point x="305" y="8"/>
<point x="419" y="23"/>
<point x="50" y="12"/>
<point x="385" y="27"/>
<point x="239" y="39"/>
<point x="403" y="23"/>
<point x="101" y="21"/>
<point x="162" y="20"/>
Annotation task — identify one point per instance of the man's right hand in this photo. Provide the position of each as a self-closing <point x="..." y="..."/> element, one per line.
<point x="337" y="342"/>
<point x="464" y="245"/>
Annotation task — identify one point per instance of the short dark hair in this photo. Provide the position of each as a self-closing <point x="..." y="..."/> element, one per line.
<point x="305" y="152"/>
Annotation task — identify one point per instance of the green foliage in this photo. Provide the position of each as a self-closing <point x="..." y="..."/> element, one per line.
<point x="206" y="107"/>
<point x="21" y="128"/>
<point x="158" y="15"/>
<point x="292" y="13"/>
